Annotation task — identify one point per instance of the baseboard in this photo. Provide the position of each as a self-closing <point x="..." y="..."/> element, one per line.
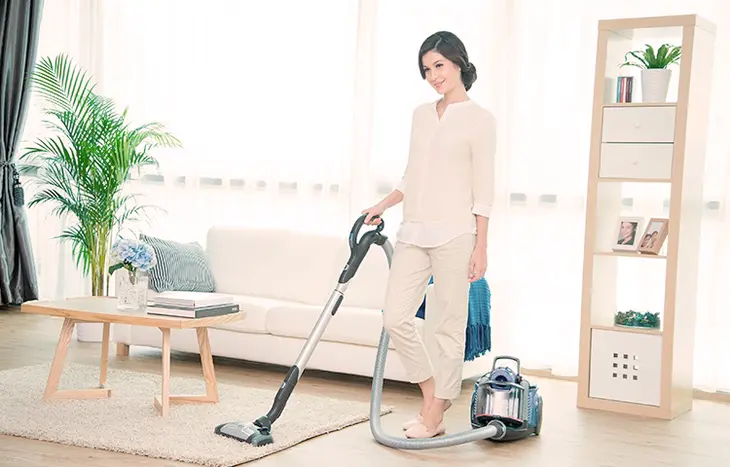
<point x="715" y="396"/>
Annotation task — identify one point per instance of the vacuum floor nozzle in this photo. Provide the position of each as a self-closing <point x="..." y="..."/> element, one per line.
<point x="246" y="432"/>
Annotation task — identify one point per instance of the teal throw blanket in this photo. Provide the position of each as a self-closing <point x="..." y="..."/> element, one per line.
<point x="478" y="328"/>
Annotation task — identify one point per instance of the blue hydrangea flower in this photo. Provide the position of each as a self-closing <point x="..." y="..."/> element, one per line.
<point x="133" y="255"/>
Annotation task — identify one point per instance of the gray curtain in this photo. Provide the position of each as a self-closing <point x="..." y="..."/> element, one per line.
<point x="19" y="24"/>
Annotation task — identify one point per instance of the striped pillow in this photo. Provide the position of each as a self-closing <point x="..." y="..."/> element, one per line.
<point x="180" y="266"/>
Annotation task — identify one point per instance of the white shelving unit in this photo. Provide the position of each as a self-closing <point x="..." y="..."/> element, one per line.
<point x="646" y="161"/>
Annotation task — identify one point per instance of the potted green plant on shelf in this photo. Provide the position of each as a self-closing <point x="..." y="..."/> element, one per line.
<point x="636" y="319"/>
<point x="655" y="72"/>
<point x="82" y="167"/>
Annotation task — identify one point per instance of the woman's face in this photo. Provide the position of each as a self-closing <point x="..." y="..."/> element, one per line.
<point x="440" y="72"/>
<point x="626" y="229"/>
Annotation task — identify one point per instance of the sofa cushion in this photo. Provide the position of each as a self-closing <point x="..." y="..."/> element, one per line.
<point x="292" y="266"/>
<point x="180" y="266"/>
<point x="270" y="263"/>
<point x="349" y="325"/>
<point x="256" y="309"/>
<point x="290" y="319"/>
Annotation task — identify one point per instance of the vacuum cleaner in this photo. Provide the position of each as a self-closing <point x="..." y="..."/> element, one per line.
<point x="504" y="405"/>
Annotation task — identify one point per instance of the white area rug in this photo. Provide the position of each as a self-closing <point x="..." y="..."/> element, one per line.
<point x="128" y="421"/>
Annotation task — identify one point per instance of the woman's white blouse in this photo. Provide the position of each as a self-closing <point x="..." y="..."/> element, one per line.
<point x="449" y="176"/>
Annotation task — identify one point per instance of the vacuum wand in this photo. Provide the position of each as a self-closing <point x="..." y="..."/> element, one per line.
<point x="258" y="432"/>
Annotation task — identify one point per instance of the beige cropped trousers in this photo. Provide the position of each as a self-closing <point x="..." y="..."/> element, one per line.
<point x="411" y="269"/>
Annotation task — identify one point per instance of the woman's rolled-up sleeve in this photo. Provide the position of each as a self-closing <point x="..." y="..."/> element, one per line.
<point x="483" y="155"/>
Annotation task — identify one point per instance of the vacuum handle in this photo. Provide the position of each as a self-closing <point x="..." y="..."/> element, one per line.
<point x="505" y="357"/>
<point x="358" y="249"/>
<point x="358" y="225"/>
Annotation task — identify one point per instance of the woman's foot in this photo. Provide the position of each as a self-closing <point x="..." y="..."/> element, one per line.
<point x="427" y="387"/>
<point x="433" y="417"/>
<point x="419" y="418"/>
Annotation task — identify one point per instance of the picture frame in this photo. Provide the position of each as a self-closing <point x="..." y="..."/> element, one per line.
<point x="652" y="240"/>
<point x="627" y="233"/>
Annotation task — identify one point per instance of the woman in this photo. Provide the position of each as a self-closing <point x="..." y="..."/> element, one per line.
<point x="447" y="193"/>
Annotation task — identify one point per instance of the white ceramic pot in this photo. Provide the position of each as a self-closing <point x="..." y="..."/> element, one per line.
<point x="89" y="332"/>
<point x="655" y="84"/>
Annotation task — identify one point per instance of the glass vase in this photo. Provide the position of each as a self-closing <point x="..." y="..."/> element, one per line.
<point x="131" y="289"/>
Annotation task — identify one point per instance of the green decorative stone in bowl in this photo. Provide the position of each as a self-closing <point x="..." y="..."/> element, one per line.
<point x="636" y="319"/>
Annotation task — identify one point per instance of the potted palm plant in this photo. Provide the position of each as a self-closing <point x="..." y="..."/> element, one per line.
<point x="655" y="71"/>
<point x="82" y="167"/>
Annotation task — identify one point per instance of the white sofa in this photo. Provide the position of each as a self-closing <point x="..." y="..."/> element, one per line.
<point x="282" y="280"/>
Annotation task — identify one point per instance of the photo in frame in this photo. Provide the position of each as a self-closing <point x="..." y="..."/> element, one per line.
<point x="627" y="233"/>
<point x="654" y="236"/>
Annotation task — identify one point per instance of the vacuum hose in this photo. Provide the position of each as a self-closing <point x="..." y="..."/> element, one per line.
<point x="495" y="429"/>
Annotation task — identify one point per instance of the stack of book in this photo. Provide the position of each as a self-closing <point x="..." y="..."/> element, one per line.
<point x="624" y="89"/>
<point x="191" y="304"/>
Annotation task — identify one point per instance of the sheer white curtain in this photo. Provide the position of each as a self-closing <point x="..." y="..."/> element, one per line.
<point x="261" y="95"/>
<point x="297" y="114"/>
<point x="66" y="29"/>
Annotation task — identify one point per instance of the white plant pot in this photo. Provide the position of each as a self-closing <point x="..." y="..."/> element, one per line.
<point x="655" y="84"/>
<point x="89" y="332"/>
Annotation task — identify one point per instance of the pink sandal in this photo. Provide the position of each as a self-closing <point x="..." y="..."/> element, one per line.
<point x="420" y="431"/>
<point x="413" y="422"/>
<point x="419" y="418"/>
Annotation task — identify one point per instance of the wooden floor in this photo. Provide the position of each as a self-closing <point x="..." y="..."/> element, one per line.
<point x="570" y="437"/>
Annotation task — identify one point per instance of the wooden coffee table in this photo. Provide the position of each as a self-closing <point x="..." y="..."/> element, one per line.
<point x="104" y="310"/>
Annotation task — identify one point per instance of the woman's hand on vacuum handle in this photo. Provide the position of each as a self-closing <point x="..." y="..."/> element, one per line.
<point x="373" y="211"/>
<point x="392" y="199"/>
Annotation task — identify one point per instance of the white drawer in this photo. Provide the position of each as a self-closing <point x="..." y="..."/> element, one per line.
<point x="638" y="124"/>
<point x="626" y="367"/>
<point x="636" y="160"/>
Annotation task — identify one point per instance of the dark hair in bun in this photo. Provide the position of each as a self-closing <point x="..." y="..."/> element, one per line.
<point x="451" y="47"/>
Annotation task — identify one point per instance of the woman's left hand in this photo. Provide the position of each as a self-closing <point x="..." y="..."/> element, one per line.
<point x="477" y="264"/>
